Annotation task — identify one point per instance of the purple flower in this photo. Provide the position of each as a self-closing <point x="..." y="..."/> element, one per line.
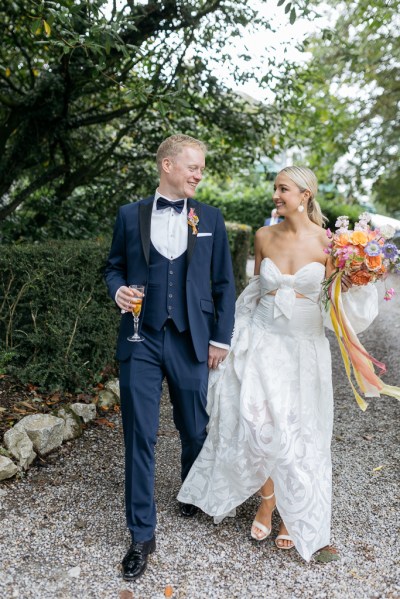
<point x="373" y="248"/>
<point x="390" y="251"/>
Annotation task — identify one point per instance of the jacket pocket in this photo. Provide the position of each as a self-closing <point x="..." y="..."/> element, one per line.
<point x="207" y="306"/>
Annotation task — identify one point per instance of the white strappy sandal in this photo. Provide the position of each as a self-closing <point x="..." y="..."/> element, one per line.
<point x="262" y="527"/>
<point x="284" y="538"/>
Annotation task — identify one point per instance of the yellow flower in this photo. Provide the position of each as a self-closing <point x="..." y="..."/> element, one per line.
<point x="359" y="238"/>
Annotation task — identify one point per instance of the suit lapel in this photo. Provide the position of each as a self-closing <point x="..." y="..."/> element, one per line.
<point x="192" y="238"/>
<point x="145" y="210"/>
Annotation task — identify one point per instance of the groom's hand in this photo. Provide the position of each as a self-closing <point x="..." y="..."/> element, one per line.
<point x="215" y="356"/>
<point x="124" y="297"/>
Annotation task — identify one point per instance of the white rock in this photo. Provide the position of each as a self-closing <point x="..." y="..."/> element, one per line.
<point x="74" y="572"/>
<point x="7" y="468"/>
<point x="113" y="386"/>
<point x="44" y="430"/>
<point x="19" y="445"/>
<point x="87" y="411"/>
<point x="72" y="423"/>
<point x="107" y="399"/>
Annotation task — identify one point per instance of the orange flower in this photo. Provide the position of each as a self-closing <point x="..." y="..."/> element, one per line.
<point x="373" y="262"/>
<point x="359" y="238"/>
<point x="342" y="240"/>
<point x="360" y="277"/>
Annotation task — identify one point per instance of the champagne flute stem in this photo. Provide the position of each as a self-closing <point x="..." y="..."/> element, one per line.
<point x="136" y="323"/>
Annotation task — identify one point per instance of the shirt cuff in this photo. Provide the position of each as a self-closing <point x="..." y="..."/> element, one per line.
<point x="220" y="345"/>
<point x="115" y="299"/>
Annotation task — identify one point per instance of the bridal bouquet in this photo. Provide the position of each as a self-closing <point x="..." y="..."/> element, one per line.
<point x="364" y="256"/>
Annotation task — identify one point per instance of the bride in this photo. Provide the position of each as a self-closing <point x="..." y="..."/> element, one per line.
<point x="271" y="402"/>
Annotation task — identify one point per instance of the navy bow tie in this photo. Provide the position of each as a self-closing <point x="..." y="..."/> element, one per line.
<point x="177" y="206"/>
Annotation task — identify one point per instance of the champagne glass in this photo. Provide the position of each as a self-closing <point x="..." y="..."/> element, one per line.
<point x="136" y="309"/>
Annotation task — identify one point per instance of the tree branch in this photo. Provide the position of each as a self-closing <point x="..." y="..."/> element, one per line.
<point x="50" y="175"/>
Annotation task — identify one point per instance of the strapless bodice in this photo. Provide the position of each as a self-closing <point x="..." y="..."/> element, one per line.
<point x="306" y="281"/>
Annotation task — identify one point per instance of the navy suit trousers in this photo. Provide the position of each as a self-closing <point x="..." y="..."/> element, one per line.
<point x="166" y="353"/>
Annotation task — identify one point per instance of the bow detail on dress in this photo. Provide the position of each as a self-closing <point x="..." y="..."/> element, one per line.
<point x="285" y="298"/>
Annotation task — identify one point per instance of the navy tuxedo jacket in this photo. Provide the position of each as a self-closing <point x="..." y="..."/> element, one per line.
<point x="210" y="288"/>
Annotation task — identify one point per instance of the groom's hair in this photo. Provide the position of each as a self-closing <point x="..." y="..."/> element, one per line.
<point x="174" y="144"/>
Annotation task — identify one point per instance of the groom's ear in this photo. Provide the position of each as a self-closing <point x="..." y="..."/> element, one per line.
<point x="166" y="165"/>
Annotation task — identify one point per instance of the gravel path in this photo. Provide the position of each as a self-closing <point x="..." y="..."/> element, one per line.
<point x="62" y="528"/>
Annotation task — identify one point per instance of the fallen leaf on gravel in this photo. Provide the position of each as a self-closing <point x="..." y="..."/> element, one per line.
<point x="327" y="554"/>
<point x="104" y="422"/>
<point x="169" y="591"/>
<point x="3" y="409"/>
<point x="368" y="437"/>
<point x="20" y="411"/>
<point x="125" y="594"/>
<point x="377" y="468"/>
<point x="27" y="405"/>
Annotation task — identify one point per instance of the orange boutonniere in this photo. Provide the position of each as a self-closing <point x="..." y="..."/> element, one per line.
<point x="193" y="221"/>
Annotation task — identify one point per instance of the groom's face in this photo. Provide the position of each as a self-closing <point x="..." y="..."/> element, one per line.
<point x="182" y="173"/>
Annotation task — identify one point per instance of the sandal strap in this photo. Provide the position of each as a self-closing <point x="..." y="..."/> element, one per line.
<point x="284" y="538"/>
<point x="262" y="527"/>
<point x="267" y="497"/>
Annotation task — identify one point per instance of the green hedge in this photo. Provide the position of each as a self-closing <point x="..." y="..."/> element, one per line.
<point x="56" y="319"/>
<point x="58" y="327"/>
<point x="239" y="242"/>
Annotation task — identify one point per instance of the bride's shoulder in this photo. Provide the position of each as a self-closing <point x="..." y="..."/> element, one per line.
<point x="323" y="237"/>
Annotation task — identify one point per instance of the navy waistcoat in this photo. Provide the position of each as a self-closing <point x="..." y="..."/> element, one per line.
<point x="166" y="291"/>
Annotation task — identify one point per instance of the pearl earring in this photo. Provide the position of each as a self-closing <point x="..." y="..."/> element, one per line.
<point x="300" y="208"/>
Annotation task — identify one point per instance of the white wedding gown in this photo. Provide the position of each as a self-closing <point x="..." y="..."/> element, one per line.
<point x="271" y="405"/>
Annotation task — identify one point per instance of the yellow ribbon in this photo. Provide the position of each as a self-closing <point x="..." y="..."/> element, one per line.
<point x="354" y="355"/>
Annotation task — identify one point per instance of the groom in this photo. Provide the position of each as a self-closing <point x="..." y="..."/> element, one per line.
<point x="177" y="248"/>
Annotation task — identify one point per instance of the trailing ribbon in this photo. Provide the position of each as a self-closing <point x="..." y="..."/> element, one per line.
<point x="354" y="353"/>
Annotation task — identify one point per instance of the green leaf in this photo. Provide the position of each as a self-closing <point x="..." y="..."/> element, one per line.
<point x="36" y="27"/>
<point x="288" y="7"/>
<point x="292" y="16"/>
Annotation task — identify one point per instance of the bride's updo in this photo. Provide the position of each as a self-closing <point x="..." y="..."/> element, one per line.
<point x="305" y="179"/>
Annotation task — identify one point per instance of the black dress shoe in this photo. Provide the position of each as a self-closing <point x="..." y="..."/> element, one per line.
<point x="135" y="561"/>
<point x="188" y="510"/>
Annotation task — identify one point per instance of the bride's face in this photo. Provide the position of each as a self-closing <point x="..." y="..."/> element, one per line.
<point x="287" y="196"/>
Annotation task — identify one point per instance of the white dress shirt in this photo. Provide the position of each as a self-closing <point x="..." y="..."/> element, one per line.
<point x="169" y="235"/>
<point x="169" y="230"/>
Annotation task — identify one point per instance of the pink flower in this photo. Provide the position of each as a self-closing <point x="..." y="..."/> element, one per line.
<point x="389" y="294"/>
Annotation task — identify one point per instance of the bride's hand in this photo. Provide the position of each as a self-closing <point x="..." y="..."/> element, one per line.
<point x="346" y="283"/>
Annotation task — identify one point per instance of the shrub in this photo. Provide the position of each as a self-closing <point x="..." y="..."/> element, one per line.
<point x="239" y="243"/>
<point x="55" y="316"/>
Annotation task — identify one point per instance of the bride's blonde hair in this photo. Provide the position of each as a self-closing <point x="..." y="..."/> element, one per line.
<point x="305" y="180"/>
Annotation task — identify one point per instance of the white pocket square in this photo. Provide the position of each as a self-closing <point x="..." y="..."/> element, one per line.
<point x="204" y="234"/>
